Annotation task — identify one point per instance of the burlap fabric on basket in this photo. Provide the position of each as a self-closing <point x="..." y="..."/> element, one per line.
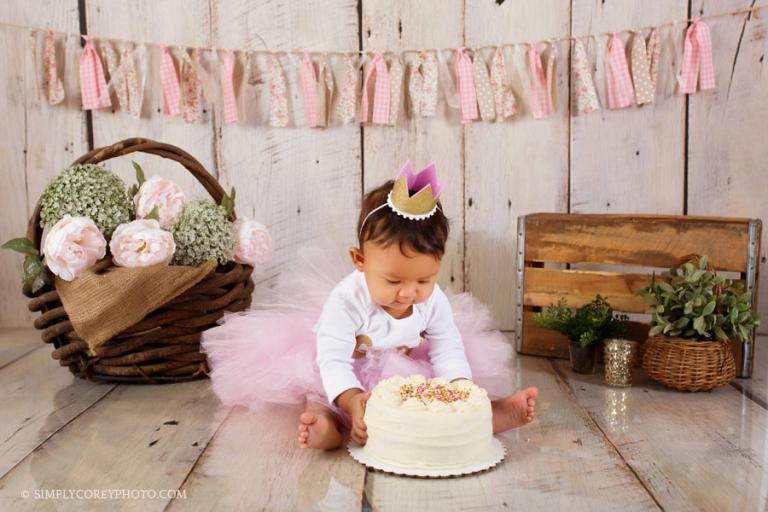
<point x="105" y="301"/>
<point x="161" y="342"/>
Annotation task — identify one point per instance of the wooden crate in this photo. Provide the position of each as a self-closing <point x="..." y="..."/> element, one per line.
<point x="550" y="244"/>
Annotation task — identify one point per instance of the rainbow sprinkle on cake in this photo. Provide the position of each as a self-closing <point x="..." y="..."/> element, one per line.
<point x="428" y="392"/>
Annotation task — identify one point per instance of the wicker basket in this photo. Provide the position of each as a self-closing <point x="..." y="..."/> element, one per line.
<point x="164" y="346"/>
<point x="689" y="365"/>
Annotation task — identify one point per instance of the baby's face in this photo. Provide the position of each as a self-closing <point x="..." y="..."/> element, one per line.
<point x="396" y="280"/>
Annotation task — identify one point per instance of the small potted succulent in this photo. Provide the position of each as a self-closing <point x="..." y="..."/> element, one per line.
<point x="694" y="316"/>
<point x="586" y="328"/>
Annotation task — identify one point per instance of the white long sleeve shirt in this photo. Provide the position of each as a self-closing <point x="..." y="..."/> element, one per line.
<point x="350" y="314"/>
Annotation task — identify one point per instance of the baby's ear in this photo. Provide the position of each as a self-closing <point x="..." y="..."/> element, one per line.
<point x="357" y="258"/>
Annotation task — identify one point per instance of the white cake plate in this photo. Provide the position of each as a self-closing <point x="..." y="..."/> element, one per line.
<point x="358" y="453"/>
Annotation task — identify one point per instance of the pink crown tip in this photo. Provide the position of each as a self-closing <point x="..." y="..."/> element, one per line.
<point x="428" y="176"/>
<point x="417" y="181"/>
<point x="407" y="171"/>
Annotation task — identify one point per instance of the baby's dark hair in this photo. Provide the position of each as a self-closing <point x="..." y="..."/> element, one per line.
<point x="385" y="227"/>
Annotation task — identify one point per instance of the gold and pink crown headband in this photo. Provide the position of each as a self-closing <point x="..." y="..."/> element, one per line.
<point x="414" y="195"/>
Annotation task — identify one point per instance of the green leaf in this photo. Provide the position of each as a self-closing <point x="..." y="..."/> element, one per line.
<point x="154" y="214"/>
<point x="700" y="325"/>
<point x="665" y="286"/>
<point x="228" y="201"/>
<point x="709" y="308"/>
<point x="22" y="245"/>
<point x="656" y="329"/>
<point x="139" y="173"/>
<point x="743" y="333"/>
<point x="32" y="267"/>
<point x="37" y="284"/>
<point x="703" y="261"/>
<point x="720" y="333"/>
<point x="33" y="272"/>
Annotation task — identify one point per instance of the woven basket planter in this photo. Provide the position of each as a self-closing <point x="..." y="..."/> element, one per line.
<point x="165" y="345"/>
<point x="688" y="365"/>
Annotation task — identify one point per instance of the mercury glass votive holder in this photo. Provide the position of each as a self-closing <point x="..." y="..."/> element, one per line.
<point x="619" y="357"/>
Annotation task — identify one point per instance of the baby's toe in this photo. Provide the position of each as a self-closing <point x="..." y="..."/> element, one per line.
<point x="307" y="418"/>
<point x="303" y="427"/>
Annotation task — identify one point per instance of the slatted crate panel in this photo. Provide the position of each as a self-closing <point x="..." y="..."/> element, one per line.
<point x="549" y="241"/>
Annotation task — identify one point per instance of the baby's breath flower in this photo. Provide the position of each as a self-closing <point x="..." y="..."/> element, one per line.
<point x="87" y="190"/>
<point x="202" y="233"/>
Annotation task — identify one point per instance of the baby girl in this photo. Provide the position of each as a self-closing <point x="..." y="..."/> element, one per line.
<point x="387" y="317"/>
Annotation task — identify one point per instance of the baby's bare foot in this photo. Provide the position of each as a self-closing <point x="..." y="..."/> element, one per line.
<point x="514" y="410"/>
<point x="318" y="430"/>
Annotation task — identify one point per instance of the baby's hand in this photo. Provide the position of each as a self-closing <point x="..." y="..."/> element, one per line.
<point x="356" y="412"/>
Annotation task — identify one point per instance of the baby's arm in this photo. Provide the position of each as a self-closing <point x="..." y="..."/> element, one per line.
<point x="335" y="331"/>
<point x="352" y="401"/>
<point x="446" y="348"/>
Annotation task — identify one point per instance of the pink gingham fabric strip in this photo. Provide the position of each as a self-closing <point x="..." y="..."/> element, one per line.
<point x="396" y="73"/>
<point x="483" y="87"/>
<point x="618" y="83"/>
<point x="348" y="97"/>
<point x="52" y="85"/>
<point x="584" y="86"/>
<point x="93" y="85"/>
<point x="381" y="95"/>
<point x="228" y="87"/>
<point x="540" y="96"/>
<point x="506" y="104"/>
<point x="309" y="90"/>
<point x="465" y="86"/>
<point x="645" y="61"/>
<point x="191" y="89"/>
<point x="278" y="95"/>
<point x="170" y="83"/>
<point x="697" y="59"/>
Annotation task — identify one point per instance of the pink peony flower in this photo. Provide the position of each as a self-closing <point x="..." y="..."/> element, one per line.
<point x="254" y="245"/>
<point x="72" y="246"/>
<point x="141" y="243"/>
<point x="165" y="194"/>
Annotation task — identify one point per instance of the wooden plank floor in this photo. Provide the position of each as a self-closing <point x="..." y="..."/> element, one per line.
<point x="175" y="447"/>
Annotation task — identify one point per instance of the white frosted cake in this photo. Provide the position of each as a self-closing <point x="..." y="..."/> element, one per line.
<point x="419" y="423"/>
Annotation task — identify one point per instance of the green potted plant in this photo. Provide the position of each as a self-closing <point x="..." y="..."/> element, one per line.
<point x="585" y="328"/>
<point x="694" y="315"/>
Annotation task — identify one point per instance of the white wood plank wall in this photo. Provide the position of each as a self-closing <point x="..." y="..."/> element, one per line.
<point x="701" y="155"/>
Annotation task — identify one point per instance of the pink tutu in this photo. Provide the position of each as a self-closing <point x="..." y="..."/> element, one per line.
<point x="266" y="355"/>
